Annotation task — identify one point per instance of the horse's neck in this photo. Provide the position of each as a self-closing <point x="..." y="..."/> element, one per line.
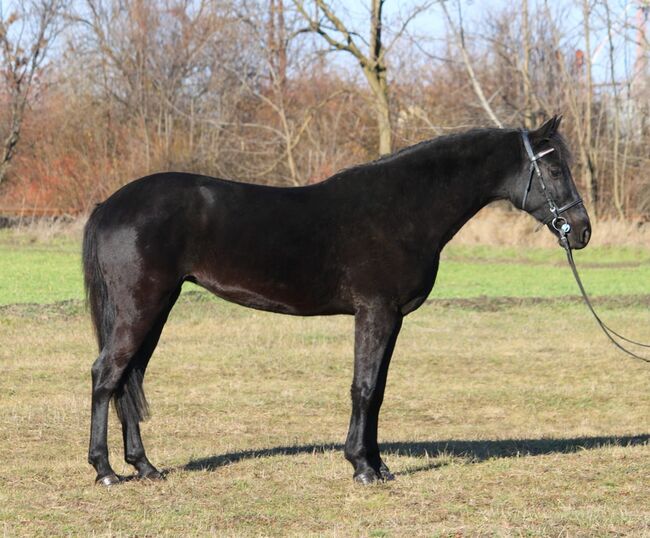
<point x="454" y="215"/>
<point x="433" y="191"/>
<point x="475" y="183"/>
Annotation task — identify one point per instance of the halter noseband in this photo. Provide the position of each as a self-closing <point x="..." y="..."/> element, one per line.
<point x="559" y="223"/>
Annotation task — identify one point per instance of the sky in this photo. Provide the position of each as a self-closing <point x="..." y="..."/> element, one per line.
<point x="429" y="28"/>
<point x="431" y="25"/>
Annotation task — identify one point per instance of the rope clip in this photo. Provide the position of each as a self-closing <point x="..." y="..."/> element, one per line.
<point x="561" y="226"/>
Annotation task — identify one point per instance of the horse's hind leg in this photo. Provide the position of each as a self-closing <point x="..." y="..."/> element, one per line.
<point x="376" y="330"/>
<point x="131" y="403"/>
<point x="107" y="373"/>
<point x="130" y="331"/>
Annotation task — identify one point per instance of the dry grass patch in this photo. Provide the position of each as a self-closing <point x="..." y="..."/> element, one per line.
<point x="496" y="225"/>
<point x="516" y="421"/>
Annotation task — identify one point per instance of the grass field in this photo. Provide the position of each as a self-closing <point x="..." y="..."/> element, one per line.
<point x="507" y="413"/>
<point x="48" y="272"/>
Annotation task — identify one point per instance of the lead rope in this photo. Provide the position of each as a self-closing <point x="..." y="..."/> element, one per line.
<point x="563" y="228"/>
<point x="608" y="332"/>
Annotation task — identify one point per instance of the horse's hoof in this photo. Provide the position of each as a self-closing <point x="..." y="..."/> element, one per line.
<point x="107" y="480"/>
<point x="152" y="475"/>
<point x="385" y="473"/>
<point x="366" y="477"/>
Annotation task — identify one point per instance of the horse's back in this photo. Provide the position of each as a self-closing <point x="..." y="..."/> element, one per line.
<point x="265" y="247"/>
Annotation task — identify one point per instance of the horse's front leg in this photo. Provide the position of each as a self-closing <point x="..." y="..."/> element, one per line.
<point x="376" y="330"/>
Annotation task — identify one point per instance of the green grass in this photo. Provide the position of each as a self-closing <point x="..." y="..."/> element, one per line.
<point x="36" y="275"/>
<point x="507" y="423"/>
<point x="501" y="418"/>
<point x="48" y="273"/>
<point x="469" y="279"/>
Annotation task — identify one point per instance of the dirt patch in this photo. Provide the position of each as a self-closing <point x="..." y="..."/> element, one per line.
<point x="76" y="307"/>
<point x="496" y="304"/>
<point x="550" y="263"/>
<point x="66" y="309"/>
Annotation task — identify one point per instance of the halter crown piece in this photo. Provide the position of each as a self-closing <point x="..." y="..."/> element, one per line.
<point x="559" y="223"/>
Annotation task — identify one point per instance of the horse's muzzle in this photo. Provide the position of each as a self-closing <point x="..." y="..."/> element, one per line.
<point x="579" y="235"/>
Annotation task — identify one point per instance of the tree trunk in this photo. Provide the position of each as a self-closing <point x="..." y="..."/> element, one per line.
<point x="373" y="64"/>
<point x="377" y="70"/>
<point x="384" y="126"/>
<point x="9" y="145"/>
<point x="528" y="113"/>
<point x="588" y="165"/>
<point x="379" y="86"/>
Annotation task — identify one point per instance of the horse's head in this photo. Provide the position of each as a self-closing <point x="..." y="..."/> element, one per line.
<point x="545" y="188"/>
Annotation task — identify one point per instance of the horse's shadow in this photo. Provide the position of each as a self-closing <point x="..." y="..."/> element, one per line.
<point x="473" y="451"/>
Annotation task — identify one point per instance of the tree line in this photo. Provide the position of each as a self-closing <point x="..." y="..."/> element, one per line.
<point x="95" y="93"/>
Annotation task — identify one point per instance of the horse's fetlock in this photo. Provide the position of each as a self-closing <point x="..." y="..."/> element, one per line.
<point x="355" y="454"/>
<point x="133" y="458"/>
<point x="96" y="456"/>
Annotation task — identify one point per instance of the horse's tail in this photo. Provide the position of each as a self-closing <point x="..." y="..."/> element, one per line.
<point x="102" y="310"/>
<point x="129" y="396"/>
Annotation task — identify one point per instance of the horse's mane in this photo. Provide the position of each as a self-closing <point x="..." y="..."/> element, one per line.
<point x="557" y="141"/>
<point x="434" y="143"/>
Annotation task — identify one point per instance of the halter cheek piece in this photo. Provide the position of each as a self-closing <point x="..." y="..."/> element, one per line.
<point x="559" y="223"/>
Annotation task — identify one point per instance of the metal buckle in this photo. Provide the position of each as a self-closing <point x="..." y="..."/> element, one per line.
<point x="561" y="225"/>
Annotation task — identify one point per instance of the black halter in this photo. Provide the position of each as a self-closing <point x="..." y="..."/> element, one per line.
<point x="559" y="223"/>
<point x="563" y="228"/>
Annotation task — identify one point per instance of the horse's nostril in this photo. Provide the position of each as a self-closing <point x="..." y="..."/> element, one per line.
<point x="586" y="234"/>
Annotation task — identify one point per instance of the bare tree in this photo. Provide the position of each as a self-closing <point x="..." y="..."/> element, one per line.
<point x="525" y="67"/>
<point x="618" y="186"/>
<point x="243" y="88"/>
<point x="460" y="42"/>
<point x="589" y="167"/>
<point x="163" y="64"/>
<point x="373" y="62"/>
<point x="27" y="30"/>
<point x="277" y="39"/>
<point x="282" y="120"/>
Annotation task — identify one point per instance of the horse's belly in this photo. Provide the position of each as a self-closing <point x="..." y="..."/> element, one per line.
<point x="286" y="269"/>
<point x="287" y="296"/>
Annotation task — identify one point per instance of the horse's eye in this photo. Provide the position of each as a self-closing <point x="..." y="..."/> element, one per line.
<point x="556" y="173"/>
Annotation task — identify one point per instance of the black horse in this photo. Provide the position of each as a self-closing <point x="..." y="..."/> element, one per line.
<point x="365" y="242"/>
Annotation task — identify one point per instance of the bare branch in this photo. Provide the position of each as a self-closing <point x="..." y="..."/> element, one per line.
<point x="460" y="42"/>
<point x="22" y="58"/>
<point x="315" y="26"/>
<point x="414" y="13"/>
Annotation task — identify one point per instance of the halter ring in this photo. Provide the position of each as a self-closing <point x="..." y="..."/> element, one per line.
<point x="561" y="225"/>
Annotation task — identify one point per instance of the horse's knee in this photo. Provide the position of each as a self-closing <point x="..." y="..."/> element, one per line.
<point x="103" y="385"/>
<point x="361" y="393"/>
<point x="363" y="396"/>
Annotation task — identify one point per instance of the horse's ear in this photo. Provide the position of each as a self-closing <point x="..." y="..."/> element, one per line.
<point x="549" y="128"/>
